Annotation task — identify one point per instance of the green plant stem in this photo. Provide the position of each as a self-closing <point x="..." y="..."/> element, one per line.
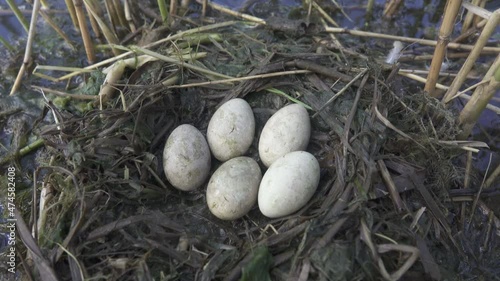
<point x="163" y="11"/>
<point x="7" y="44"/>
<point x="30" y="147"/>
<point x="19" y="14"/>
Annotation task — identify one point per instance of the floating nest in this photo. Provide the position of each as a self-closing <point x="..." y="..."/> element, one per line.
<point x="386" y="207"/>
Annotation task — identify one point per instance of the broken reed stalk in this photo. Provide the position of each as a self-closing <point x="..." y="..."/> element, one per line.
<point x="421" y="79"/>
<point x="488" y="29"/>
<point x="468" y="18"/>
<point x="481" y="5"/>
<point x="173" y="8"/>
<point x="72" y="13"/>
<point x="324" y="14"/>
<point x="56" y="28"/>
<point x="391" y="7"/>
<point x="128" y="16"/>
<point x="473" y="30"/>
<point x="426" y="42"/>
<point x="84" y="31"/>
<point x="493" y="176"/>
<point x="108" y="33"/>
<point x="18" y="14"/>
<point x="93" y="22"/>
<point x="117" y="6"/>
<point x="479" y="100"/>
<point x="450" y="14"/>
<point x="27" y="51"/>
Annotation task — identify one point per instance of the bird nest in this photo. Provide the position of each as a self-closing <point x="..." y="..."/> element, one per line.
<point x="383" y="208"/>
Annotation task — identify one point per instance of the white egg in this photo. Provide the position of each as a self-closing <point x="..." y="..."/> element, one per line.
<point x="232" y="189"/>
<point x="287" y="130"/>
<point x="186" y="158"/>
<point x="288" y="184"/>
<point x="231" y="130"/>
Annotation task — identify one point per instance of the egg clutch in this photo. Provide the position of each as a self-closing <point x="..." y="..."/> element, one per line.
<point x="288" y="184"/>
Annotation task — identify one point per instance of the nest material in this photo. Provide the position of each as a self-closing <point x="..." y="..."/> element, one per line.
<point x="114" y="216"/>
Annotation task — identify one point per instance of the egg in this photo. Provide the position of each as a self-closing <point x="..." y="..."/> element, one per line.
<point x="287" y="130"/>
<point x="232" y="189"/>
<point x="231" y="130"/>
<point x="186" y="158"/>
<point x="288" y="184"/>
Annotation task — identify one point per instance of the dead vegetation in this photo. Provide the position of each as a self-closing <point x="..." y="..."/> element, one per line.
<point x="396" y="201"/>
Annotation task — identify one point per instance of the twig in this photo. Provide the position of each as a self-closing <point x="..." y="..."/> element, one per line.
<point x="29" y="43"/>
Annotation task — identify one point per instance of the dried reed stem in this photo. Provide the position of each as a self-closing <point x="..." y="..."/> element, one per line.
<point x="173" y="8"/>
<point x="225" y="10"/>
<point x="27" y="52"/>
<point x="128" y="16"/>
<point x="169" y="38"/>
<point x="323" y="13"/>
<point x="488" y="29"/>
<point x="109" y="34"/>
<point x="54" y="26"/>
<point x="84" y="31"/>
<point x="471" y="31"/>
<point x="72" y="13"/>
<point x="479" y="100"/>
<point x="391" y="186"/>
<point x="426" y="42"/>
<point x="239" y="79"/>
<point x="391" y="7"/>
<point x="117" y="6"/>
<point x="468" y="18"/>
<point x="451" y="12"/>
<point x="93" y="22"/>
<point x="492" y="177"/>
